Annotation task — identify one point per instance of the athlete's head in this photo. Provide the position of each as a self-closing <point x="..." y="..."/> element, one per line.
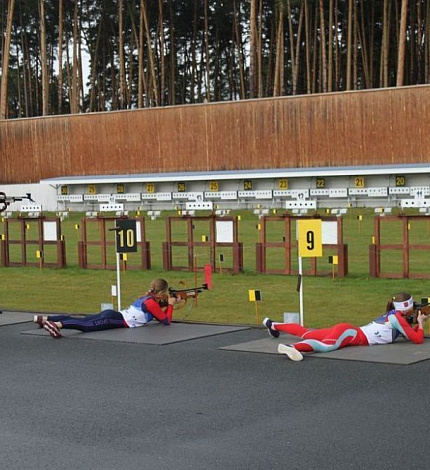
<point x="401" y="302"/>
<point x="159" y="288"/>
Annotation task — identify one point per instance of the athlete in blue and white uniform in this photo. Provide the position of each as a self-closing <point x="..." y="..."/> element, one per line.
<point x="383" y="330"/>
<point x="142" y="311"/>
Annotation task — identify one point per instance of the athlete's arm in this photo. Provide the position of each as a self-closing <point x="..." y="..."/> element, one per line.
<point x="162" y="315"/>
<point x="399" y="323"/>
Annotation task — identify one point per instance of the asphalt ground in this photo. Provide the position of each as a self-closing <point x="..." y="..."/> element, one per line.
<point x="89" y="404"/>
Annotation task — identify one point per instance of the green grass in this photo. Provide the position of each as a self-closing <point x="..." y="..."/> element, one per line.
<point x="356" y="298"/>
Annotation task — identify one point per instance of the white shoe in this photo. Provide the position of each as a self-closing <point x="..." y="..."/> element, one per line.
<point x="291" y="352"/>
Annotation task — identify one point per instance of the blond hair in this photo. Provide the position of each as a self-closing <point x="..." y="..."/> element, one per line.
<point x="159" y="287"/>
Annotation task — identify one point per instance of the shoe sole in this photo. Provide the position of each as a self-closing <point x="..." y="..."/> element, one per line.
<point x="292" y="353"/>
<point x="52" y="331"/>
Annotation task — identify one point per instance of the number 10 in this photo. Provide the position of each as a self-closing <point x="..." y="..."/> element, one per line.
<point x="128" y="239"/>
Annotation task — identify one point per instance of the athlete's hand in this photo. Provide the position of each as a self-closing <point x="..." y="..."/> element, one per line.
<point x="421" y="319"/>
<point x="173" y="300"/>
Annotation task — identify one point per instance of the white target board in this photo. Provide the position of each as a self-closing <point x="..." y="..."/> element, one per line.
<point x="329" y="233"/>
<point x="224" y="231"/>
<point x="49" y="231"/>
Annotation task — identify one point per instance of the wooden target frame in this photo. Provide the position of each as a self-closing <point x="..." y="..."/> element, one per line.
<point x="191" y="244"/>
<point x="106" y="243"/>
<point x="288" y="244"/>
<point x="40" y="243"/>
<point x="405" y="247"/>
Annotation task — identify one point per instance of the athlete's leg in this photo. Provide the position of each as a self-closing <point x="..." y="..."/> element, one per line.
<point x="104" y="320"/>
<point x="339" y="336"/>
<point x="300" y="331"/>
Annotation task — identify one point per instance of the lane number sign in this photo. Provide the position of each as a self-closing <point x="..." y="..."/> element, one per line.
<point x="310" y="238"/>
<point x="126" y="236"/>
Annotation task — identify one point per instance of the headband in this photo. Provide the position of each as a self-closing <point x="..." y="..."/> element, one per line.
<point x="404" y="305"/>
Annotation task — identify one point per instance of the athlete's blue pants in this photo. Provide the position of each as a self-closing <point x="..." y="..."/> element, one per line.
<point x="104" y="320"/>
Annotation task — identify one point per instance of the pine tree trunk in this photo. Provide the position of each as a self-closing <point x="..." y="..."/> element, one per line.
<point x="60" y="57"/>
<point x="384" y="46"/>
<point x="323" y="63"/>
<point x="307" y="49"/>
<point x="172" y="98"/>
<point x="330" y="48"/>
<point x="402" y="41"/>
<point x="298" y="48"/>
<point x="349" y="47"/>
<point x="153" y="77"/>
<point x="206" y="48"/>
<point x="193" y="53"/>
<point x="162" y="52"/>
<point x="74" y="104"/>
<point x="253" y="83"/>
<point x="122" y="100"/>
<point x="140" y="89"/>
<point x="279" y="53"/>
<point x="94" y="59"/>
<point x="291" y="35"/>
<point x="260" y="54"/>
<point x="427" y="46"/>
<point x="239" y="48"/>
<point x="5" y="64"/>
<point x="43" y="58"/>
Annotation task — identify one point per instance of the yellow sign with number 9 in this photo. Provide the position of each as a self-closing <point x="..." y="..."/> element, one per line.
<point x="310" y="238"/>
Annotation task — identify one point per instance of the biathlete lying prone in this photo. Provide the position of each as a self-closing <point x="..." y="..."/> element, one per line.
<point x="139" y="313"/>
<point x="383" y="330"/>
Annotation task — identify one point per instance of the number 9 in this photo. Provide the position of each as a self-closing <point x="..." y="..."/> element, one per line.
<point x="310" y="240"/>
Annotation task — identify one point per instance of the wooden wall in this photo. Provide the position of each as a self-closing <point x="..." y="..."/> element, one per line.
<point x="388" y="126"/>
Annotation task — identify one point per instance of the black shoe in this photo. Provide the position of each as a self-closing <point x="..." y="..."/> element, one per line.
<point x="267" y="322"/>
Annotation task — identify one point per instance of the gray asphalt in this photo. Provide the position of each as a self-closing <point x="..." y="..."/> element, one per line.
<point x="88" y="404"/>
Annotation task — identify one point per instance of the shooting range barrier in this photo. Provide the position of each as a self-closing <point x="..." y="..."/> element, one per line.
<point x="402" y="248"/>
<point x="97" y="247"/>
<point x="181" y="251"/>
<point x="41" y="233"/>
<point x="278" y="235"/>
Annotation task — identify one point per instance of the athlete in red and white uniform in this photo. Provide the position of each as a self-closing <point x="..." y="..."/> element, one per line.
<point x="383" y="330"/>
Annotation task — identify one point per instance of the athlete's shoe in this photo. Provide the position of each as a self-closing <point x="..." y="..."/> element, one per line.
<point x="291" y="352"/>
<point x="52" y="329"/>
<point x="38" y="319"/>
<point x="267" y="322"/>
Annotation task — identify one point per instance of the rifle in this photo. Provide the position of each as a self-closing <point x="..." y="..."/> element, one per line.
<point x="184" y="294"/>
<point x="6" y="201"/>
<point x="422" y="307"/>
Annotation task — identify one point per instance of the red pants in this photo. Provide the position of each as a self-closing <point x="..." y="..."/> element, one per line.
<point x="324" y="339"/>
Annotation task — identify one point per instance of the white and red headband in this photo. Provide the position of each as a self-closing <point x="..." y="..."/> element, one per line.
<point x="404" y="305"/>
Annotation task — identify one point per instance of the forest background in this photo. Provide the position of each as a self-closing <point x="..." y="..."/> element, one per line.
<point x="127" y="54"/>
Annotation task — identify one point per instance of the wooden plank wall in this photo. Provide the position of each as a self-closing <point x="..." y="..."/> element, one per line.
<point x="388" y="126"/>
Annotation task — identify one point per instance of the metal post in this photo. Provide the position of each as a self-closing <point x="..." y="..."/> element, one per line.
<point x="118" y="281"/>
<point x="301" y="291"/>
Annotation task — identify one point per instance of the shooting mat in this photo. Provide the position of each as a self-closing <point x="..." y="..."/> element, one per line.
<point x="153" y="333"/>
<point x="11" y="318"/>
<point x="401" y="352"/>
